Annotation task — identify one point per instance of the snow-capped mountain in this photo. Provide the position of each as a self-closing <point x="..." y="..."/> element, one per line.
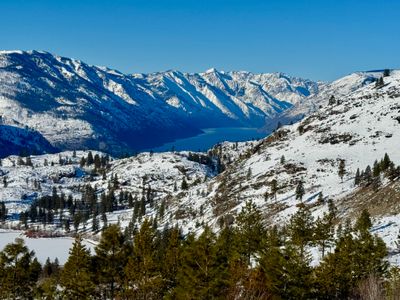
<point x="78" y="106"/>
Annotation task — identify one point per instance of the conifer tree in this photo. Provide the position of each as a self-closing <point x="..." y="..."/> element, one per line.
<point x="342" y="169"/>
<point x="274" y="188"/>
<point x="324" y="229"/>
<point x="3" y="211"/>
<point x="19" y="271"/>
<point x="143" y="279"/>
<point x="199" y="276"/>
<point x="357" y="178"/>
<point x="332" y="100"/>
<point x="170" y="260"/>
<point x="300" y="191"/>
<point x="110" y="260"/>
<point x="251" y="230"/>
<point x="77" y="277"/>
<point x="184" y="185"/>
<point x="301" y="228"/>
<point x="376" y="169"/>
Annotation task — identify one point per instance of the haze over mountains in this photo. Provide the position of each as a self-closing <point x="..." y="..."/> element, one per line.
<point x="73" y="105"/>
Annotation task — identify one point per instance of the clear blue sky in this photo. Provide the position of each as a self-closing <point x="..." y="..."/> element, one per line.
<point x="317" y="39"/>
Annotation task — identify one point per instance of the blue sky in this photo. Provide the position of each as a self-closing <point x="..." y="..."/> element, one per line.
<point x="317" y="39"/>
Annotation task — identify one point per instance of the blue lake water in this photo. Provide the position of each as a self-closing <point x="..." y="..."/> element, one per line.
<point x="210" y="137"/>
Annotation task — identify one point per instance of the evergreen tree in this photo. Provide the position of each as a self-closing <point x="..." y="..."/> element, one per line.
<point x="90" y="159"/>
<point x="300" y="191"/>
<point x="357" y="178"/>
<point x="77" y="277"/>
<point x="274" y="188"/>
<point x="324" y="229"/>
<point x="332" y="100"/>
<point x="143" y="279"/>
<point x="286" y="273"/>
<point x="184" y="185"/>
<point x="3" y="211"/>
<point x="342" y="169"/>
<point x="301" y="228"/>
<point x="200" y="276"/>
<point x="19" y="271"/>
<point x="251" y="230"/>
<point x="110" y="260"/>
<point x="376" y="169"/>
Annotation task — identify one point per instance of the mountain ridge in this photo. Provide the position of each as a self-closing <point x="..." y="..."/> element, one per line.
<point x="79" y="106"/>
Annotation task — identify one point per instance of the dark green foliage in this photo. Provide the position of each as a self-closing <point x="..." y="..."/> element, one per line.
<point x="184" y="184"/>
<point x="77" y="276"/>
<point x="110" y="260"/>
<point x="274" y="188"/>
<point x="202" y="273"/>
<point x="3" y="211"/>
<point x="357" y="255"/>
<point x="342" y="169"/>
<point x="300" y="191"/>
<point x="332" y="100"/>
<point x="300" y="228"/>
<point x="247" y="261"/>
<point x="252" y="230"/>
<point x="379" y="83"/>
<point x="19" y="271"/>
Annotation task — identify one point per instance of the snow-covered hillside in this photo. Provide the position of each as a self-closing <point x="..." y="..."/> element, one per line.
<point x="162" y="173"/>
<point x="359" y="129"/>
<point x="338" y="88"/>
<point x="77" y="106"/>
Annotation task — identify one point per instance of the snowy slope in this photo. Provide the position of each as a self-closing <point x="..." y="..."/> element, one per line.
<point x="158" y="171"/>
<point x="338" y="88"/>
<point x="359" y="130"/>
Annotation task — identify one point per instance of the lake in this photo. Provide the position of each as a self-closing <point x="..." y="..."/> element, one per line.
<point x="210" y="137"/>
<point x="43" y="247"/>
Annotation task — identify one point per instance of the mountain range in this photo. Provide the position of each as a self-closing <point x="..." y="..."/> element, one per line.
<point x="73" y="105"/>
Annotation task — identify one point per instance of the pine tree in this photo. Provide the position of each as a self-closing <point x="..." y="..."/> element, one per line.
<point x="332" y="100"/>
<point x="3" y="211"/>
<point x="184" y="185"/>
<point x="19" y="271"/>
<point x="251" y="230"/>
<point x="301" y="228"/>
<point x="386" y="162"/>
<point x="249" y="174"/>
<point x="90" y="159"/>
<point x="376" y="169"/>
<point x="274" y="188"/>
<point x="76" y="277"/>
<point x="324" y="230"/>
<point x="143" y="279"/>
<point x="342" y="169"/>
<point x="357" y="255"/>
<point x="357" y="178"/>
<point x="300" y="191"/>
<point x="170" y="260"/>
<point x="200" y="275"/>
<point x="110" y="260"/>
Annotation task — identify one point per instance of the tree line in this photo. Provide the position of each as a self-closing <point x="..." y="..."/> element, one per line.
<point x="245" y="261"/>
